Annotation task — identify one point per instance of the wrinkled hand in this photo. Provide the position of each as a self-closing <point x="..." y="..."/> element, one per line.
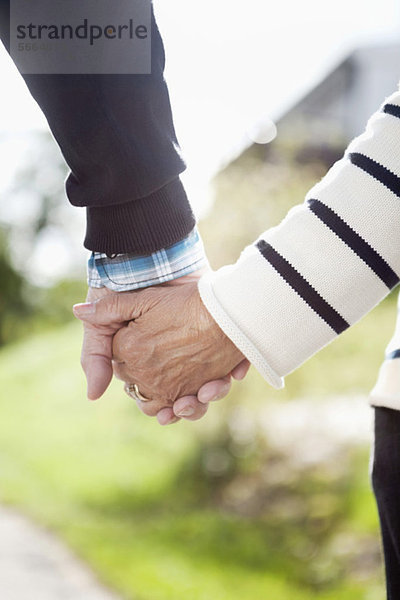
<point x="171" y="345"/>
<point x="97" y="354"/>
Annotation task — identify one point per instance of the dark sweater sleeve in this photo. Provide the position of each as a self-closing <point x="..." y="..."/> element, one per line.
<point x="117" y="136"/>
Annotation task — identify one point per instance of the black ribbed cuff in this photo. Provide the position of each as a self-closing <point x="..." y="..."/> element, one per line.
<point x="142" y="226"/>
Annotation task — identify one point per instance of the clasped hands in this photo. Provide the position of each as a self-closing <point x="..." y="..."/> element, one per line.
<point x="162" y="339"/>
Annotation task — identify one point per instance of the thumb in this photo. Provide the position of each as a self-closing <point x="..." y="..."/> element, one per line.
<point x="96" y="359"/>
<point x="114" y="310"/>
<point x="98" y="370"/>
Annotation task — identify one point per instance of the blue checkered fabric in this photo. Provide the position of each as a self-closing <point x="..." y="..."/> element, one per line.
<point x="126" y="272"/>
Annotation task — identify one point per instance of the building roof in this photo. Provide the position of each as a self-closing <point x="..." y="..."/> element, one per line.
<point x="348" y="94"/>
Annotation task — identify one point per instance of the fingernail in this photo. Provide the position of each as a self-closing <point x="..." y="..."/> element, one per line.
<point x="186" y="412"/>
<point x="171" y="422"/>
<point x="218" y="397"/>
<point x="86" y="308"/>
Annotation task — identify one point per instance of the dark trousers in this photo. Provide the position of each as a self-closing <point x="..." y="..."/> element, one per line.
<point x="386" y="485"/>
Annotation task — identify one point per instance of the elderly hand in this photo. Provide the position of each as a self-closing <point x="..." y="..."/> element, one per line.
<point x="100" y="327"/>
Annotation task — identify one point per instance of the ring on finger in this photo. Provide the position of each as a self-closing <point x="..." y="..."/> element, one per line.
<point x="133" y="392"/>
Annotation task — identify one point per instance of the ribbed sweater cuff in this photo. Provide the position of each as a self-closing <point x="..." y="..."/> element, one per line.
<point x="142" y="226"/>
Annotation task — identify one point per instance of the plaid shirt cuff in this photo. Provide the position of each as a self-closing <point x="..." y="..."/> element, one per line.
<point x="126" y="272"/>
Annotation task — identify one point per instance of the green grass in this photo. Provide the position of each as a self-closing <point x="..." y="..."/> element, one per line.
<point x="104" y="476"/>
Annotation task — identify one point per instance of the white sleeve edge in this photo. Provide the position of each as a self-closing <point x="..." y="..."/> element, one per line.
<point x="230" y="329"/>
<point x="385" y="402"/>
<point x="386" y="391"/>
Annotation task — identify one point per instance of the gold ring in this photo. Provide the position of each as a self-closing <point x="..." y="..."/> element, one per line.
<point x="133" y="392"/>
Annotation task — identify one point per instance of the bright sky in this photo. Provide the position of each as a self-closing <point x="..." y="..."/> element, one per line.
<point x="229" y="64"/>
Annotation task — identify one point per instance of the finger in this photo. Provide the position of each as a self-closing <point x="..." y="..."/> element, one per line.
<point x="214" y="390"/>
<point x="150" y="407"/>
<point x="190" y="408"/>
<point x="166" y="416"/>
<point x="153" y="404"/>
<point x="241" y="370"/>
<point x="116" y="309"/>
<point x="96" y="361"/>
<point x="153" y="407"/>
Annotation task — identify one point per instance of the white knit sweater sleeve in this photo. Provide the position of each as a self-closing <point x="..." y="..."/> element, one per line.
<point x="329" y="262"/>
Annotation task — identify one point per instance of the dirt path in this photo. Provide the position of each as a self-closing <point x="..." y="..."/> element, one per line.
<point x="36" y="566"/>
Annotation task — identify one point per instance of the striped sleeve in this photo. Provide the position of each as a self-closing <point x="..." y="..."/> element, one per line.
<point x="329" y="262"/>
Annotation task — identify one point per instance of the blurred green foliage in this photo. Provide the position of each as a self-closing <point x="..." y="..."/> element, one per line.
<point x="15" y="307"/>
<point x="54" y="304"/>
<point x="26" y="309"/>
<point x="196" y="510"/>
<point x="254" y="193"/>
<point x="35" y="203"/>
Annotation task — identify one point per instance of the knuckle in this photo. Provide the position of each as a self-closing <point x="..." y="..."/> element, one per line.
<point x="148" y="408"/>
<point x="124" y="344"/>
<point x="120" y="341"/>
<point x="117" y="305"/>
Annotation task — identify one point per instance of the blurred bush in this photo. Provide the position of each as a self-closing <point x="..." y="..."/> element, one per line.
<point x="35" y="205"/>
<point x="15" y="306"/>
<point x="26" y="309"/>
<point x="209" y="510"/>
<point x="255" y="191"/>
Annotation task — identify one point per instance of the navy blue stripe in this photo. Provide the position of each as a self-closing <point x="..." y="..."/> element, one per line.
<point x="370" y="256"/>
<point x="382" y="174"/>
<point x="302" y="287"/>
<point x="393" y="355"/>
<point x="392" y="109"/>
